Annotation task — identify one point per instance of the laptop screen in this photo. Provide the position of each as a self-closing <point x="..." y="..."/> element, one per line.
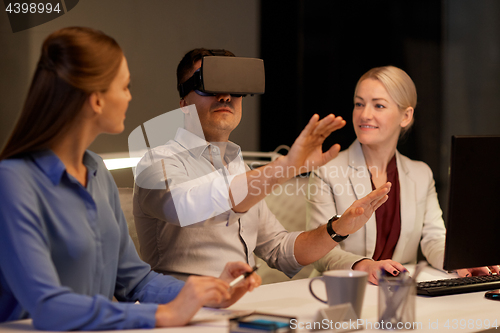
<point x="473" y="224"/>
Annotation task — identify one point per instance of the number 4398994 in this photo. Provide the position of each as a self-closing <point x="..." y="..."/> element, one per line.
<point x="32" y="8"/>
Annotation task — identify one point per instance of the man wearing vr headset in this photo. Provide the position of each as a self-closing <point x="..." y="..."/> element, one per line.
<point x="205" y="170"/>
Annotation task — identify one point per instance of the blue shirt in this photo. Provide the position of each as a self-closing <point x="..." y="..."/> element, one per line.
<point x="65" y="250"/>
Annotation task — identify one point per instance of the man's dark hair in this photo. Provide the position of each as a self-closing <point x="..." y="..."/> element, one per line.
<point x="186" y="65"/>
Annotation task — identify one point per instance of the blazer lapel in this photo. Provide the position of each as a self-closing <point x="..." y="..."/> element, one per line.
<point x="361" y="185"/>
<point x="408" y="207"/>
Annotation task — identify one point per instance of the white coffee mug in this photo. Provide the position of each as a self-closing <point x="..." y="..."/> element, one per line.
<point x="343" y="286"/>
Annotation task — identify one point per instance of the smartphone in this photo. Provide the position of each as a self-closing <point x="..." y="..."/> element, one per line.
<point x="493" y="294"/>
<point x="261" y="322"/>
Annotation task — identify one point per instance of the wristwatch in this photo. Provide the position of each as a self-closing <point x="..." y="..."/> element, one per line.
<point x="332" y="233"/>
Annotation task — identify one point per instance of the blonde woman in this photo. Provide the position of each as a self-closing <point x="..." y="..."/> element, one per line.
<point x="384" y="104"/>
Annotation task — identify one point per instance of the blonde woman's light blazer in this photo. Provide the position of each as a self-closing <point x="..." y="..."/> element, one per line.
<point x="336" y="185"/>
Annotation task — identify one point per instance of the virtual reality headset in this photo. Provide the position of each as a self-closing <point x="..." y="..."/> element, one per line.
<point x="237" y="76"/>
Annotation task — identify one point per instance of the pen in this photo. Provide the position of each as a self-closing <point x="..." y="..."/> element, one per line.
<point x="242" y="277"/>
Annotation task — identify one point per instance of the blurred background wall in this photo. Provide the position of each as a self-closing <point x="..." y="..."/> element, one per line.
<point x="314" y="52"/>
<point x="154" y="35"/>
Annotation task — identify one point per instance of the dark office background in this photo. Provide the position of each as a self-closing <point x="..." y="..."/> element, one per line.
<point x="314" y="52"/>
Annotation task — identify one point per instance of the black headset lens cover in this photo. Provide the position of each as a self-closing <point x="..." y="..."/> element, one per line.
<point x="231" y="75"/>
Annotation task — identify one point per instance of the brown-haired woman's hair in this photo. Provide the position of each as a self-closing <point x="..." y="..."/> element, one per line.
<point x="399" y="86"/>
<point x="75" y="62"/>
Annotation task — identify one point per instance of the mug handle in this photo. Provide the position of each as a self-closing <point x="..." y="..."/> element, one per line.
<point x="312" y="292"/>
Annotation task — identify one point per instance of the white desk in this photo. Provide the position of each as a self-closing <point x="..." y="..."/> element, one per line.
<point x="293" y="298"/>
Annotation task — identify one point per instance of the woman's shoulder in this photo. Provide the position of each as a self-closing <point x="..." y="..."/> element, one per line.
<point x="414" y="167"/>
<point x="16" y="167"/>
<point x="17" y="160"/>
<point x="18" y="178"/>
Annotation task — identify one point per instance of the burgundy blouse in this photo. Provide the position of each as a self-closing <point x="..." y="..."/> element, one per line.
<point x="388" y="217"/>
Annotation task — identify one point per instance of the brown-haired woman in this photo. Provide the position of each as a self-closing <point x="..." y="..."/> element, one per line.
<point x="63" y="237"/>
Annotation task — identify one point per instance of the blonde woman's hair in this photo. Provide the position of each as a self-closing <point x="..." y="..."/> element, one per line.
<point x="398" y="84"/>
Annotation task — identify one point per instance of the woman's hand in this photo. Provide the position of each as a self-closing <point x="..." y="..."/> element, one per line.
<point x="206" y="291"/>
<point x="373" y="267"/>
<point x="477" y="271"/>
<point x="197" y="292"/>
<point x="231" y="272"/>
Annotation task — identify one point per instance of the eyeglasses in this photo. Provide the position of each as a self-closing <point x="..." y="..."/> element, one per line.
<point x="202" y="93"/>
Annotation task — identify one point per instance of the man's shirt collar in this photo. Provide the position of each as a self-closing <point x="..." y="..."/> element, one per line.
<point x="196" y="145"/>
<point x="192" y="143"/>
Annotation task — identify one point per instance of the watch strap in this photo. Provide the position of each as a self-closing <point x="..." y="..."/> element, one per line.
<point x="337" y="238"/>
